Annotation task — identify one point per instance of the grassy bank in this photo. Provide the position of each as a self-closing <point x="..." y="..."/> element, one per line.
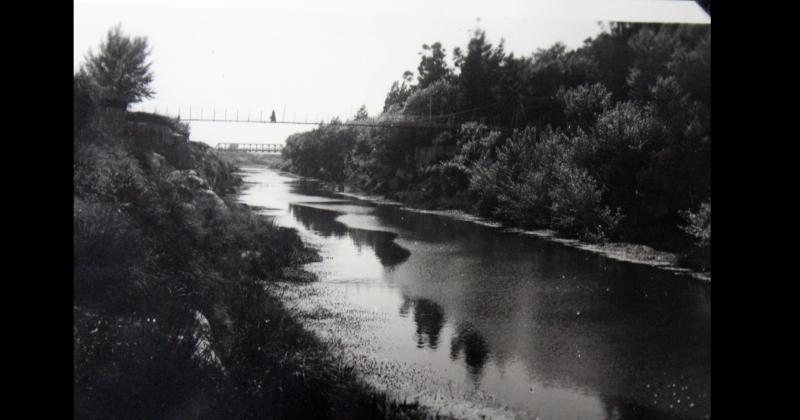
<point x="171" y="316"/>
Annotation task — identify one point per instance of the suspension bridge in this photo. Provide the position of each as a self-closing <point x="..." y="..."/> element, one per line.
<point x="451" y="121"/>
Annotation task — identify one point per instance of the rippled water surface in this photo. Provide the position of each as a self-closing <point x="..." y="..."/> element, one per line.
<point x="473" y="320"/>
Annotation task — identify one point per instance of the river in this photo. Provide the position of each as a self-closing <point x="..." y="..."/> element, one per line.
<point x="473" y="320"/>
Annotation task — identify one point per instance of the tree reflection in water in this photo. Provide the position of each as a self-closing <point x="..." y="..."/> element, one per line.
<point x="324" y="222"/>
<point x="469" y="340"/>
<point x="429" y="318"/>
<point x="613" y="339"/>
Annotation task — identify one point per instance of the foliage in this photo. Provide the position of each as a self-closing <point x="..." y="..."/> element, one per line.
<point x="610" y="141"/>
<point x="361" y="114"/>
<point x="583" y="104"/>
<point x="433" y="68"/>
<point x="698" y="226"/>
<point x="436" y="99"/>
<point x="321" y="152"/>
<point x="171" y="316"/>
<point x="120" y="68"/>
<point x="398" y="94"/>
<point x="534" y="182"/>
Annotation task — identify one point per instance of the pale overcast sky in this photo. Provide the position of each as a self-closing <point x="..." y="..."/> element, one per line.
<point x="321" y="59"/>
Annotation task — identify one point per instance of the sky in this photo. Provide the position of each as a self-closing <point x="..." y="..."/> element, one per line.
<point x="315" y="60"/>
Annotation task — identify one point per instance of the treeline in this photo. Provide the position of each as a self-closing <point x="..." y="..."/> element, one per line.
<point x="610" y="141"/>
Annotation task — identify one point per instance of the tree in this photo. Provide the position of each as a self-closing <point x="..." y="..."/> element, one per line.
<point x="432" y="67"/>
<point x="441" y="97"/>
<point x="398" y="93"/>
<point x="361" y="114"/>
<point x="479" y="70"/>
<point x="120" y="69"/>
<point x="583" y="104"/>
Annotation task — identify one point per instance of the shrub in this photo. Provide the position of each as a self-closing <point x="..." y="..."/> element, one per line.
<point x="107" y="254"/>
<point x="109" y="172"/>
<point x="576" y="205"/>
<point x="698" y="226"/>
<point x="583" y="104"/>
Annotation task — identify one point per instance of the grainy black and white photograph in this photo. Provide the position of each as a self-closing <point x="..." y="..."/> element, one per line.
<point x="392" y="210"/>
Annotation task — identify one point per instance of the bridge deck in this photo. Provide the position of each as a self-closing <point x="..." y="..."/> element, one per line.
<point x="251" y="147"/>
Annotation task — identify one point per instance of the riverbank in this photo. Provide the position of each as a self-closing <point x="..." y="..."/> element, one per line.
<point x="466" y="318"/>
<point x="620" y="251"/>
<point x="172" y="316"/>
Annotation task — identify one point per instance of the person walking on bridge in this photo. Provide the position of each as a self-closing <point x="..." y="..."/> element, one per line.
<point x="272" y="117"/>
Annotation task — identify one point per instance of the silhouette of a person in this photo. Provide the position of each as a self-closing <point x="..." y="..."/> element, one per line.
<point x="272" y="117"/>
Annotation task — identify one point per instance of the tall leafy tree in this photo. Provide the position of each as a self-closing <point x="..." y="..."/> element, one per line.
<point x="121" y="69"/>
<point x="479" y="65"/>
<point x="433" y="67"/>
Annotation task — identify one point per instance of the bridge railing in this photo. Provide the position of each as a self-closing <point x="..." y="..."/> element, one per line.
<point x="251" y="147"/>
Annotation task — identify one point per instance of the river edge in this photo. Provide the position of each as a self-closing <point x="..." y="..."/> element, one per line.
<point x="320" y="319"/>
<point x="376" y="376"/>
<point x="619" y="251"/>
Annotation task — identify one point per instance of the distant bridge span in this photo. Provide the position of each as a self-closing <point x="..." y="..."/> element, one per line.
<point x="251" y="147"/>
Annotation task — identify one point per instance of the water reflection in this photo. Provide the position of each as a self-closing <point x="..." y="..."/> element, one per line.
<point x="597" y="338"/>
<point x="469" y="341"/>
<point x="429" y="319"/>
<point x="311" y="187"/>
<point x="324" y="223"/>
<point x="388" y="252"/>
<point x="319" y="221"/>
<point x="576" y="321"/>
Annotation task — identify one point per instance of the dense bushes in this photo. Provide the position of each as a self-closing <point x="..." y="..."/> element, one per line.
<point x="171" y="317"/>
<point x="534" y="182"/>
<point x="607" y="142"/>
<point x="322" y="152"/>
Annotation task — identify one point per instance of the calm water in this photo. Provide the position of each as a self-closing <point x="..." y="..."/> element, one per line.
<point x="471" y="319"/>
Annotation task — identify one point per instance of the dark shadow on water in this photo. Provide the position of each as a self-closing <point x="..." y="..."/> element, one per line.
<point x="388" y="252"/>
<point x="429" y="318"/>
<point x="468" y="339"/>
<point x="324" y="223"/>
